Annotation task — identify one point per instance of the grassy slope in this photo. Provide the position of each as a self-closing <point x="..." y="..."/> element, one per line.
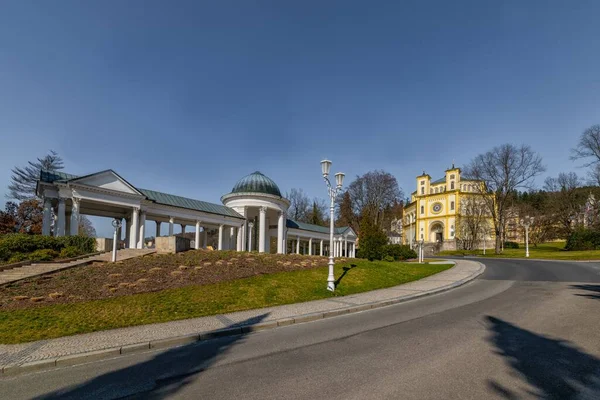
<point x="196" y="301"/>
<point x="549" y="251"/>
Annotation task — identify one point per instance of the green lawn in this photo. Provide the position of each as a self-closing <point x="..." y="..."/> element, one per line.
<point x="45" y="322"/>
<point x="547" y="251"/>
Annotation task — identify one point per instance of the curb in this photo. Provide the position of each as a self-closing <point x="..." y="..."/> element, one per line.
<point x="178" y="341"/>
<point x="471" y="258"/>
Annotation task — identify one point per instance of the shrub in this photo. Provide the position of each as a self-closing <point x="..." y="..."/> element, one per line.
<point x="511" y="245"/>
<point x="17" y="257"/>
<point x="372" y="240"/>
<point x="70" y="252"/>
<point x="43" y="255"/>
<point x="398" y="252"/>
<point x="21" y="243"/>
<point x="583" y="239"/>
<point x="388" y="259"/>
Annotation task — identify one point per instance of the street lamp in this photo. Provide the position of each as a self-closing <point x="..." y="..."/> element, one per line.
<point x="418" y="244"/>
<point x="333" y="193"/>
<point x="526" y="222"/>
<point x="116" y="223"/>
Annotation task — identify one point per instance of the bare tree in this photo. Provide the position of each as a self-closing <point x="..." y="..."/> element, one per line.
<point x="372" y="194"/>
<point x="472" y="223"/>
<point x="501" y="171"/>
<point x="588" y="147"/>
<point x="565" y="201"/>
<point x="300" y="205"/>
<point x="24" y="179"/>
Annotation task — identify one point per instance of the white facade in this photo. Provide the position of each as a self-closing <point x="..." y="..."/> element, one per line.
<point x="248" y="221"/>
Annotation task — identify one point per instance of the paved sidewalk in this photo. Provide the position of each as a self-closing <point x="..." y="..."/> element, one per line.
<point x="106" y="344"/>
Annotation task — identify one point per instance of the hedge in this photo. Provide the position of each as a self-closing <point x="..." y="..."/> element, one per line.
<point x="583" y="239"/>
<point x="15" y="246"/>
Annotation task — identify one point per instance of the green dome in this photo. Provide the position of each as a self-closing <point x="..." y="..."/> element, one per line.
<point x="256" y="182"/>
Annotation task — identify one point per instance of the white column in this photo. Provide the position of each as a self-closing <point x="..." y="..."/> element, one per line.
<point x="250" y="229"/>
<point x="280" y="238"/>
<point x="134" y="228"/>
<point x="220" y="245"/>
<point x="297" y="244"/>
<point x="263" y="229"/>
<point x="61" y="218"/>
<point x="47" y="221"/>
<point x="321" y="248"/>
<point x="127" y="227"/>
<point x="157" y="230"/>
<point x="240" y="237"/>
<point x="197" y="238"/>
<point x="310" y="247"/>
<point x="346" y="247"/>
<point x="142" y="230"/>
<point x="171" y="222"/>
<point x="74" y="217"/>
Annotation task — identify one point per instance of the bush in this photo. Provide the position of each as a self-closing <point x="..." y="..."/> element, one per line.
<point x="583" y="239"/>
<point x="43" y="255"/>
<point x="17" y="257"/>
<point x="398" y="252"/>
<point x="12" y="244"/>
<point x="511" y="245"/>
<point x="372" y="240"/>
<point x="388" y="259"/>
<point x="70" y="252"/>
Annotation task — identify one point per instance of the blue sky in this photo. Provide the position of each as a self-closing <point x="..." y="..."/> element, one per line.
<point x="187" y="97"/>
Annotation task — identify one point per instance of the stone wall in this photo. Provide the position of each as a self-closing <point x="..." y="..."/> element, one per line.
<point x="172" y="244"/>
<point x="104" y="244"/>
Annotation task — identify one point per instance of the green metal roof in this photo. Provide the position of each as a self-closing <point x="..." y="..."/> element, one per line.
<point x="152" y="195"/>
<point x="314" y="228"/>
<point x="53" y="176"/>
<point x="190" y="204"/>
<point x="256" y="182"/>
<point x="441" y="180"/>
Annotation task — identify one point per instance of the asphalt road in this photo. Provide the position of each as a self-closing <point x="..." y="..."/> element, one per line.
<point x="523" y="330"/>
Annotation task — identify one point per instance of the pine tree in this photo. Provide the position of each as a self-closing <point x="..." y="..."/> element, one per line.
<point x="24" y="179"/>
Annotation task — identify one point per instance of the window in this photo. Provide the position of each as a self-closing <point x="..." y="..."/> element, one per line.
<point x="452" y="205"/>
<point x="422" y="209"/>
<point x="422" y="190"/>
<point x="431" y="191"/>
<point x="452" y="185"/>
<point x="452" y="176"/>
<point x="422" y="183"/>
<point x="436" y="190"/>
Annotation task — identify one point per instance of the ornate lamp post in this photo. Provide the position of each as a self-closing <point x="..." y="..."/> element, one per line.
<point x="116" y="223"/>
<point x="526" y="223"/>
<point x="333" y="193"/>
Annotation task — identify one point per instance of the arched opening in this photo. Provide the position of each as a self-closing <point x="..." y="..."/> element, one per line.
<point x="436" y="232"/>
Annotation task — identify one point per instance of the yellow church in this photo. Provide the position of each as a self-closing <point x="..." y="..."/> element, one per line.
<point x="435" y="209"/>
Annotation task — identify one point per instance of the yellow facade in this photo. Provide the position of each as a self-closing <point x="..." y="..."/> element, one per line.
<point x="434" y="208"/>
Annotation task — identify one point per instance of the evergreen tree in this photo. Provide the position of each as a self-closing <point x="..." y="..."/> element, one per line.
<point x="24" y="179"/>
<point x="371" y="239"/>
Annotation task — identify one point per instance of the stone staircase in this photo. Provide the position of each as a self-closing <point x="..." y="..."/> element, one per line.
<point x="35" y="269"/>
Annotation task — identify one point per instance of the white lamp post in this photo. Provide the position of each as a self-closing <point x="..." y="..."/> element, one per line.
<point x="526" y="222"/>
<point x="116" y="223"/>
<point x="333" y="193"/>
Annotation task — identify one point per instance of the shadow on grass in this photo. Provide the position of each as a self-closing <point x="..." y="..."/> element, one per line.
<point x="593" y="289"/>
<point x="158" y="378"/>
<point x="346" y="270"/>
<point x="556" y="368"/>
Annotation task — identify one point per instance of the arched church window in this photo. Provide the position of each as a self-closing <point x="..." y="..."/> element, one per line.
<point x="422" y="209"/>
<point x="452" y="185"/>
<point x="452" y="205"/>
<point x="436" y="190"/>
<point x="422" y="190"/>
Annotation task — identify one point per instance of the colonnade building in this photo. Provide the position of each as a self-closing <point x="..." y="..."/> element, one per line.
<point x="251" y="218"/>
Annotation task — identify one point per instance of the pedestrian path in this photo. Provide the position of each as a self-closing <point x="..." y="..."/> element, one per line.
<point x="35" y="269"/>
<point x="56" y="352"/>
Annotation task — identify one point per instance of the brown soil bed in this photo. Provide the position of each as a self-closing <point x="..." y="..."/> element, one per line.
<point x="147" y="274"/>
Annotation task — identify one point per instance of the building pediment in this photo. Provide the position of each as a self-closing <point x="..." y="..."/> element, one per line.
<point x="107" y="180"/>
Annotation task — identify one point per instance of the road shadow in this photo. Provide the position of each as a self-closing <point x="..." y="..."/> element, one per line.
<point x="159" y="377"/>
<point x="594" y="291"/>
<point x="346" y="270"/>
<point x="556" y="368"/>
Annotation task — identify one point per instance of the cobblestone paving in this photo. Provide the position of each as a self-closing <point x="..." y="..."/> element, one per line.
<point x="27" y="352"/>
